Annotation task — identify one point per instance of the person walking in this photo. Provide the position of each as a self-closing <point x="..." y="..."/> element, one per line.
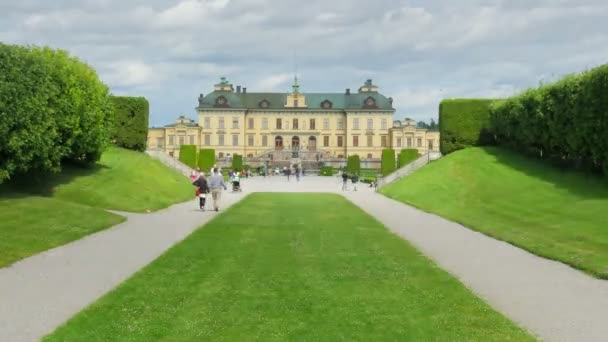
<point x="297" y="174"/>
<point x="344" y="180"/>
<point x="216" y="184"/>
<point x="202" y="189"/>
<point x="355" y="179"/>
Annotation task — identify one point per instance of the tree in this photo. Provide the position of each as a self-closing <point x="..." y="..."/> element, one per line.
<point x="433" y="125"/>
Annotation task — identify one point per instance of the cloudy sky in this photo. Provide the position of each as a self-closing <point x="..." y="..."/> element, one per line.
<point x="417" y="51"/>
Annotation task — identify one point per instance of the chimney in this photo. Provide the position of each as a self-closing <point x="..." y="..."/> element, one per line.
<point x="238" y="89"/>
<point x="347" y="91"/>
<point x="244" y="90"/>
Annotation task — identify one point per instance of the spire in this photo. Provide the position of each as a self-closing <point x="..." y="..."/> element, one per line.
<point x="296" y="87"/>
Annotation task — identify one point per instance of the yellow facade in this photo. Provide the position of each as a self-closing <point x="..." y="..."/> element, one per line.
<point x="254" y="124"/>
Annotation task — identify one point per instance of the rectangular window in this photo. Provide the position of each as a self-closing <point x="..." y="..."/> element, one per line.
<point x="264" y="123"/>
<point x="326" y="141"/>
<point x="398" y="142"/>
<point x="220" y="140"/>
<point x="430" y="144"/>
<point x="235" y="140"/>
<point x="279" y="124"/>
<point x="250" y="123"/>
<point x="325" y="123"/>
<point x="369" y="156"/>
<point x="370" y="140"/>
<point x="207" y="139"/>
<point x="340" y="141"/>
<point x="250" y="140"/>
<point x="312" y="124"/>
<point x="207" y="122"/>
<point x="235" y="123"/>
<point x="383" y="140"/>
<point x="286" y="124"/>
<point x="171" y="140"/>
<point x="383" y="124"/>
<point x="182" y="140"/>
<point x="340" y="124"/>
<point x="419" y="142"/>
<point x="221" y="123"/>
<point x="295" y="123"/>
<point x="409" y="142"/>
<point x="264" y="140"/>
<point x="370" y="123"/>
<point x="192" y="140"/>
<point x="295" y="103"/>
<point x="159" y="142"/>
<point x="355" y="141"/>
<point x="356" y="123"/>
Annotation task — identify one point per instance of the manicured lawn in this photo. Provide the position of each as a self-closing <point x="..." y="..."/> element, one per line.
<point x="291" y="267"/>
<point x="31" y="224"/>
<point x="555" y="214"/>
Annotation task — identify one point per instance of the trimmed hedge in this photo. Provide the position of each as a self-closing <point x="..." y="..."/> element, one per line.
<point x="353" y="164"/>
<point x="237" y="162"/>
<point x="565" y="122"/>
<point x="53" y="108"/>
<point x="327" y="171"/>
<point x="407" y="156"/>
<point x="206" y="158"/>
<point x="464" y="123"/>
<point x="131" y="122"/>
<point x="187" y="155"/>
<point x="388" y="161"/>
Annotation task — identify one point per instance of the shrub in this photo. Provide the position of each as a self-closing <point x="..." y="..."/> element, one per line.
<point x="53" y="108"/>
<point x="187" y="155"/>
<point x="206" y="158"/>
<point x="237" y="162"/>
<point x="327" y="171"/>
<point x="353" y="164"/>
<point x="131" y="122"/>
<point x="565" y="122"/>
<point x="388" y="161"/>
<point x="407" y="156"/>
<point x="464" y="123"/>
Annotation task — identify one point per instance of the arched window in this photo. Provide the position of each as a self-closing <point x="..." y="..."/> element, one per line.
<point x="369" y="102"/>
<point x="278" y="142"/>
<point x="221" y="101"/>
<point x="220" y="155"/>
<point x="326" y="104"/>
<point x="295" y="142"/>
<point x="264" y="104"/>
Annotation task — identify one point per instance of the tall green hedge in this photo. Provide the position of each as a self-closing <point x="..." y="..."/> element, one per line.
<point x="565" y="122"/>
<point x="237" y="162"/>
<point x="464" y="123"/>
<point x="388" y="161"/>
<point x="353" y="164"/>
<point x="53" y="108"/>
<point x="131" y="122"/>
<point x="187" y="155"/>
<point x="407" y="156"/>
<point x="206" y="158"/>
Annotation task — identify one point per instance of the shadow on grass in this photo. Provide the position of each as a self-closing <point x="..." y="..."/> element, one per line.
<point x="585" y="185"/>
<point x="44" y="184"/>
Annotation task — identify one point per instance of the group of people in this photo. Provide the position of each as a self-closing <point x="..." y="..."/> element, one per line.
<point x="208" y="185"/>
<point x="354" y="178"/>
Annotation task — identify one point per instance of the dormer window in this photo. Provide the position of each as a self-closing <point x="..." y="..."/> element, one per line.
<point x="221" y="102"/>
<point x="326" y="104"/>
<point x="264" y="104"/>
<point x="369" y="102"/>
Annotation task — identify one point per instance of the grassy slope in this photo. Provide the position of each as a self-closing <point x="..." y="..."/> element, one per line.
<point x="36" y="216"/>
<point x="555" y="214"/>
<point x="283" y="267"/>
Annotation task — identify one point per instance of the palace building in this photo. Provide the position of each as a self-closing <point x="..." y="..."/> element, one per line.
<point x="280" y="126"/>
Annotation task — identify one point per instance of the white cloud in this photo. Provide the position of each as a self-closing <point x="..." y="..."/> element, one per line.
<point x="272" y="83"/>
<point x="189" y="13"/>
<point x="132" y="74"/>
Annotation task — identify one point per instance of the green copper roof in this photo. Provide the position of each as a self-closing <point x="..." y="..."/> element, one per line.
<point x="339" y="101"/>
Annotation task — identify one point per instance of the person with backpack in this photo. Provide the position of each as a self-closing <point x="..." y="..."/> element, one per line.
<point x="202" y="189"/>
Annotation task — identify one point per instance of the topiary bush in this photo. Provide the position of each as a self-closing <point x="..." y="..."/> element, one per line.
<point x="464" y="123"/>
<point x="131" y="122"/>
<point x="407" y="156"/>
<point x="353" y="164"/>
<point x="237" y="162"/>
<point x="206" y="158"/>
<point x="388" y="161"/>
<point x="187" y="155"/>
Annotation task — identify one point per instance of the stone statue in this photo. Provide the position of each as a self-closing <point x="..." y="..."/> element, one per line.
<point x="200" y="100"/>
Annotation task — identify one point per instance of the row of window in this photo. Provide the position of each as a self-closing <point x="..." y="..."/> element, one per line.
<point x="296" y="123"/>
<point x="278" y="140"/>
<point x="399" y="142"/>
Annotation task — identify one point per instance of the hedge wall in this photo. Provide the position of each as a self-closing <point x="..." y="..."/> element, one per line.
<point x="464" y="123"/>
<point x="388" y="161"/>
<point x="187" y="155"/>
<point x="565" y="122"/>
<point x="131" y="122"/>
<point x="206" y="158"/>
<point x="53" y="108"/>
<point x="407" y="156"/>
<point x="237" y="162"/>
<point x="353" y="164"/>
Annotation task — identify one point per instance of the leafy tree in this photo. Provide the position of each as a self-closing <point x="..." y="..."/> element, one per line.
<point x="131" y="122"/>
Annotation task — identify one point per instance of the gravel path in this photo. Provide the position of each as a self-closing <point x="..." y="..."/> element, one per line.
<point x="553" y="301"/>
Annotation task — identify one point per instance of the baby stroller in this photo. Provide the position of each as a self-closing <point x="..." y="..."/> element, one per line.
<point x="236" y="184"/>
